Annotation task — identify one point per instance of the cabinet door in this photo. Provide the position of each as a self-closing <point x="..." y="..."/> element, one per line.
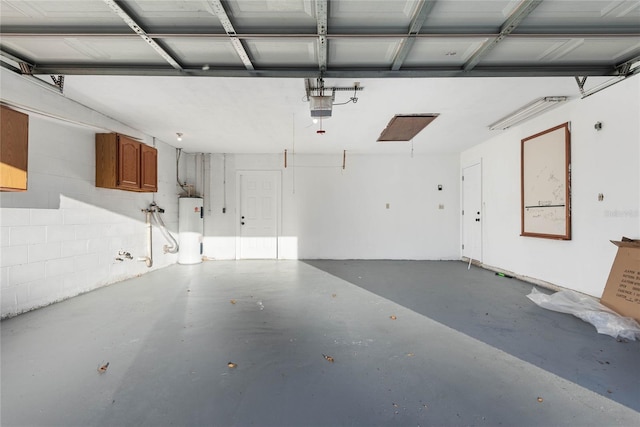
<point x="149" y="168"/>
<point x="128" y="163"/>
<point x="13" y="150"/>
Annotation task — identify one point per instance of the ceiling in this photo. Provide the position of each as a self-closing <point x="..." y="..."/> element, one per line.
<point x="235" y="75"/>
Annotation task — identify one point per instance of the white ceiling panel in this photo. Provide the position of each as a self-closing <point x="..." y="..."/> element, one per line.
<point x="378" y="52"/>
<point x="90" y="50"/>
<point x="55" y="13"/>
<point x="562" y="50"/>
<point x="200" y="51"/>
<point x="584" y="14"/>
<point x="443" y="51"/>
<point x="279" y="52"/>
<point x="352" y="14"/>
<point x="170" y="14"/>
<point x="249" y="15"/>
<point x="477" y="14"/>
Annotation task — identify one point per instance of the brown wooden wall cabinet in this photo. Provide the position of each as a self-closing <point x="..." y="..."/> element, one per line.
<point x="126" y="164"/>
<point x="14" y="150"/>
<point x="149" y="168"/>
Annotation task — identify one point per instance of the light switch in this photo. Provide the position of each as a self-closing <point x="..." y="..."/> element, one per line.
<point x="440" y="206"/>
<point x="388" y="205"/>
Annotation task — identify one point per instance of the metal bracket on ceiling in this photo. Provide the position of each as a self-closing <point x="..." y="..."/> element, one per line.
<point x="581" y="81"/>
<point x="622" y="71"/>
<point x="629" y="68"/>
<point x="59" y="82"/>
<point x="588" y="92"/>
<point x="26" y="68"/>
<point x="322" y="7"/>
<point x="319" y="88"/>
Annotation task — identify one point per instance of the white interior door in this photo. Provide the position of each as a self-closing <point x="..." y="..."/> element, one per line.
<point x="472" y="212"/>
<point x="258" y="216"/>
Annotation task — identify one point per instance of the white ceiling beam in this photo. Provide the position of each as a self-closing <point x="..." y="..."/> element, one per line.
<point x="421" y="14"/>
<point x="519" y="14"/>
<point x="142" y="33"/>
<point x="222" y="15"/>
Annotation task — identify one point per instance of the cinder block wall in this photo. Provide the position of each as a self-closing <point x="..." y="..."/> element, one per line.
<point x="63" y="236"/>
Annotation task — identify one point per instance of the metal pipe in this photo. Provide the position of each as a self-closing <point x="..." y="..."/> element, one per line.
<point x="148" y="260"/>
<point x="155" y="211"/>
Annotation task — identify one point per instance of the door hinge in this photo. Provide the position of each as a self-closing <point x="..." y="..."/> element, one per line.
<point x="463" y="177"/>
<point x="463" y="246"/>
<point x="463" y="212"/>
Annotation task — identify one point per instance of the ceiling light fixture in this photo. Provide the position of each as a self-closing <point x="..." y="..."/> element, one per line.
<point x="528" y="111"/>
<point x="179" y="136"/>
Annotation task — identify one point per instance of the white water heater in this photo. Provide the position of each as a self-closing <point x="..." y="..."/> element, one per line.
<point x="190" y="230"/>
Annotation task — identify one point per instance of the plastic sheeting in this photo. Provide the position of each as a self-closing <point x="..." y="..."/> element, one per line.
<point x="605" y="320"/>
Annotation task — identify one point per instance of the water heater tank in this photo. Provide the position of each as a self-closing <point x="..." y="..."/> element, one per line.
<point x="190" y="230"/>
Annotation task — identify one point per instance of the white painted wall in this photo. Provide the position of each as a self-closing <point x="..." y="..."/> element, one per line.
<point x="62" y="237"/>
<point x="328" y="212"/>
<point x="606" y="161"/>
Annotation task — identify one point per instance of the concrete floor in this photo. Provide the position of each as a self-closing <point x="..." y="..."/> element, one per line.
<point x="464" y="347"/>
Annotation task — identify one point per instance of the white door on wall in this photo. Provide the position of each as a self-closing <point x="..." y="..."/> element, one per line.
<point x="258" y="216"/>
<point x="472" y="212"/>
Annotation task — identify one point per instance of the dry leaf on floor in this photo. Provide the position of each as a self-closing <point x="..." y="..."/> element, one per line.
<point x="232" y="365"/>
<point x="334" y="295"/>
<point x="392" y="317"/>
<point x="102" y="369"/>
<point x="232" y="301"/>
<point x="329" y="358"/>
<point x="540" y="399"/>
<point x="410" y="354"/>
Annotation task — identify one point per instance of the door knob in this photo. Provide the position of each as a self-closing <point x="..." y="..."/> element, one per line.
<point x="242" y="223"/>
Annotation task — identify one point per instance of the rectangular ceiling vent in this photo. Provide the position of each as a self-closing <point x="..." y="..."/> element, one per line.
<point x="404" y="127"/>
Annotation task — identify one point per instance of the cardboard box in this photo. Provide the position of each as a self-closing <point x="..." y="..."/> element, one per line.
<point x="622" y="291"/>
